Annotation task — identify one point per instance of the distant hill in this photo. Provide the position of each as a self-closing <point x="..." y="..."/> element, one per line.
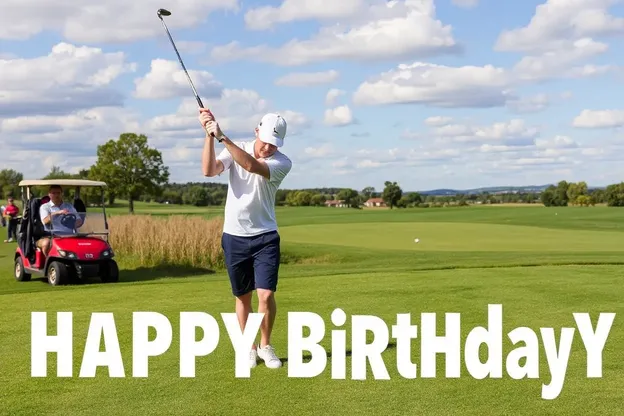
<point x="493" y="190"/>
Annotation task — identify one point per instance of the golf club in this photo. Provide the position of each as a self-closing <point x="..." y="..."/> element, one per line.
<point x="164" y="12"/>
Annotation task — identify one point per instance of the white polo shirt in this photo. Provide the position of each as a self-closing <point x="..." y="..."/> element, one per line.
<point x="250" y="203"/>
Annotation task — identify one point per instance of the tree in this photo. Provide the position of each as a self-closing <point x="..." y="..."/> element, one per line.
<point x="350" y="196"/>
<point x="130" y="167"/>
<point x="575" y="190"/>
<point x="392" y="193"/>
<point x="615" y="195"/>
<point x="9" y="181"/>
<point x="367" y="193"/>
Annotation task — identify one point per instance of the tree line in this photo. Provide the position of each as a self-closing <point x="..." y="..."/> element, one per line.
<point x="136" y="172"/>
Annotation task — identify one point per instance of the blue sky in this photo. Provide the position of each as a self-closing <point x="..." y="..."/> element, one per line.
<point x="449" y="93"/>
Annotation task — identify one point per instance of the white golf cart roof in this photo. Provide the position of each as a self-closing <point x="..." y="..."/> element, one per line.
<point x="61" y="182"/>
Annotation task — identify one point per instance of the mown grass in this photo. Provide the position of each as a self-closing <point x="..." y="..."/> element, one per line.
<point x="540" y="266"/>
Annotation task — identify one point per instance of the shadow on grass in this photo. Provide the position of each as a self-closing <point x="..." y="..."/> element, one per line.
<point x="142" y="274"/>
<point x="307" y="357"/>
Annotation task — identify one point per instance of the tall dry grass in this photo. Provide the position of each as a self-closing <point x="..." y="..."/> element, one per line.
<point x="152" y="241"/>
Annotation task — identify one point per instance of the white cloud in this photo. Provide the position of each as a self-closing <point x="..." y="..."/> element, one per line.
<point x="265" y="17"/>
<point x="597" y="119"/>
<point x="556" y="143"/>
<point x="560" y="63"/>
<point x="68" y="78"/>
<point x="514" y="132"/>
<point x="166" y="79"/>
<point x="33" y="144"/>
<point x="478" y="86"/>
<point x="305" y="79"/>
<point x="117" y="21"/>
<point x="332" y="96"/>
<point x="556" y="22"/>
<point x="237" y="112"/>
<point x="386" y="30"/>
<point x="339" y="116"/>
<point x="437" y="85"/>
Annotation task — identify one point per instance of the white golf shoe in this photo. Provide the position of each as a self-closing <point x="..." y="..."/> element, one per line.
<point x="267" y="354"/>
<point x="253" y="358"/>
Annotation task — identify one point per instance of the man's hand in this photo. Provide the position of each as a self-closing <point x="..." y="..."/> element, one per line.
<point x="213" y="129"/>
<point x="207" y="120"/>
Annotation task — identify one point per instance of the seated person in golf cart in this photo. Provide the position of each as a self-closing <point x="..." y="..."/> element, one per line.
<point x="57" y="216"/>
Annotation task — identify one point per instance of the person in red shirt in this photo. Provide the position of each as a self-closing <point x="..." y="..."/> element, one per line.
<point x="10" y="213"/>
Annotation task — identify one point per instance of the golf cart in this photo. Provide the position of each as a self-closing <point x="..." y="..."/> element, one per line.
<point x="79" y="246"/>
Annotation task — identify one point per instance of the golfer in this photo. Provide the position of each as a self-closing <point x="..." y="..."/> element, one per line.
<point x="250" y="240"/>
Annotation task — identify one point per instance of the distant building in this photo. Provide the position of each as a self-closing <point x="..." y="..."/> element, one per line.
<point x="336" y="203"/>
<point x="375" y="202"/>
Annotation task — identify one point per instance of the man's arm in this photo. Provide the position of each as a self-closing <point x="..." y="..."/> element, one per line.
<point x="211" y="166"/>
<point x="245" y="160"/>
<point x="45" y="214"/>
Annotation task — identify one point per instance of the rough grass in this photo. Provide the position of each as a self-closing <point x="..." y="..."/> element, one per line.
<point x="152" y="241"/>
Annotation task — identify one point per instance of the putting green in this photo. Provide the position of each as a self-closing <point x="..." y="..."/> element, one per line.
<point x="442" y="236"/>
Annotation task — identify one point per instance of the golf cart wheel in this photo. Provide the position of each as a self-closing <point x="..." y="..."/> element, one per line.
<point x="20" y="274"/>
<point x="57" y="274"/>
<point x="111" y="272"/>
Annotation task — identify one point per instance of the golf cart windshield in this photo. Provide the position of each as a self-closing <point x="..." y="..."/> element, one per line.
<point x="78" y="224"/>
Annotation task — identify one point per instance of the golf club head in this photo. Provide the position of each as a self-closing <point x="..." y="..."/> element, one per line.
<point x="163" y="12"/>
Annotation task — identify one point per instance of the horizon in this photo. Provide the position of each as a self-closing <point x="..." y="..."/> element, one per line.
<point x="437" y="98"/>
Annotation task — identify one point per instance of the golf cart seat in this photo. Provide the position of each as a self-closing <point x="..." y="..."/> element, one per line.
<point x="79" y="205"/>
<point x="31" y="229"/>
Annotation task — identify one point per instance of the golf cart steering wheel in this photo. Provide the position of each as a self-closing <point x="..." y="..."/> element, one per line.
<point x="69" y="220"/>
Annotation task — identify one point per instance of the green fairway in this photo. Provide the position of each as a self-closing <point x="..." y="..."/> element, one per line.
<point x="454" y="237"/>
<point x="539" y="266"/>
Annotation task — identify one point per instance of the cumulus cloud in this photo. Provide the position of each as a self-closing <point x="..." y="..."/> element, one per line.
<point x="438" y="85"/>
<point x="339" y="116"/>
<point x="237" y="111"/>
<point x="167" y="80"/>
<point x="69" y="141"/>
<point x="266" y="17"/>
<point x="599" y="119"/>
<point x="384" y="30"/>
<point x="557" y="22"/>
<point x="68" y="78"/>
<point x="119" y="21"/>
<point x="332" y="95"/>
<point x="478" y="86"/>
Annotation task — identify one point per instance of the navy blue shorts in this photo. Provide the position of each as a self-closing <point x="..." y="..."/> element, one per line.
<point x="252" y="262"/>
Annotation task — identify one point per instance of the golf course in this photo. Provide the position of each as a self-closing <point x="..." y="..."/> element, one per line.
<point x="542" y="264"/>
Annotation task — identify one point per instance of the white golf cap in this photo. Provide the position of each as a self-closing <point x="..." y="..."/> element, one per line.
<point x="272" y="129"/>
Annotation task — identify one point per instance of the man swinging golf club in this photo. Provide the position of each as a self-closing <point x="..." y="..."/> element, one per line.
<point x="250" y="241"/>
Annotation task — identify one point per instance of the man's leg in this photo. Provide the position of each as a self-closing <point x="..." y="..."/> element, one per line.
<point x="12" y="234"/>
<point x="239" y="265"/>
<point x="44" y="244"/>
<point x="266" y="266"/>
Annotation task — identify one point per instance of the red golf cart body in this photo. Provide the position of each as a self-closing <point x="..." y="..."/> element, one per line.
<point x="82" y="254"/>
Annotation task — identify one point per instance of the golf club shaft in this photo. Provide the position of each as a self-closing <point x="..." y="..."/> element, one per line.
<point x="201" y="105"/>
